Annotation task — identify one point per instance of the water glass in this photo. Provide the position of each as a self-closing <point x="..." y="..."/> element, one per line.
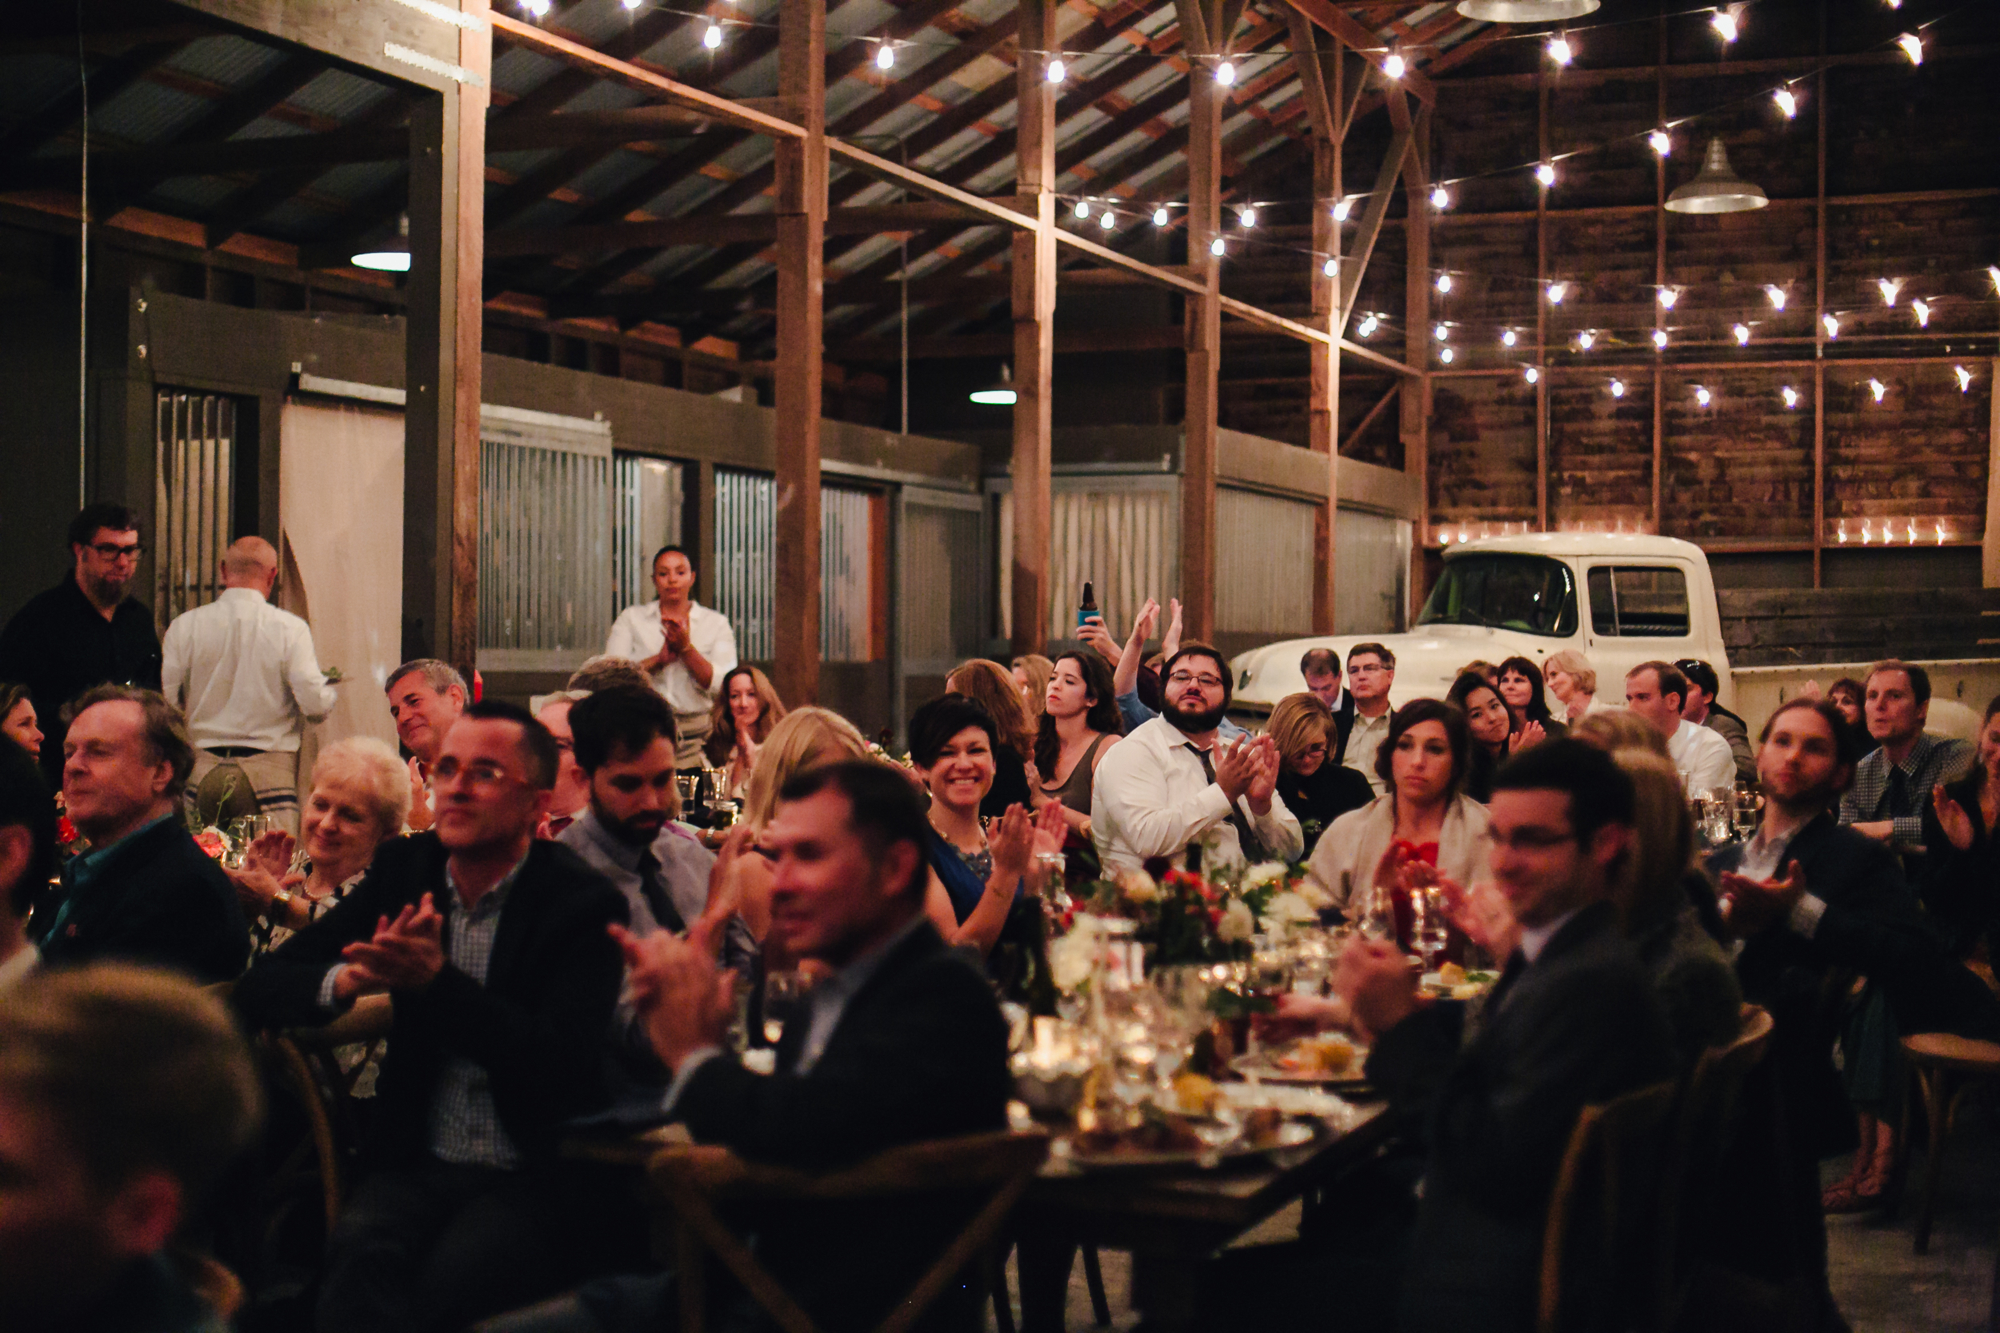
<point x="784" y="1001"/>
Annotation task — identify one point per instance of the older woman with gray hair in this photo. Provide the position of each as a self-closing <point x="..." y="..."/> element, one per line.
<point x="360" y="796"/>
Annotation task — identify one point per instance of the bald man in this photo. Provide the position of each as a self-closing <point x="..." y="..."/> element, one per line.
<point x="245" y="674"/>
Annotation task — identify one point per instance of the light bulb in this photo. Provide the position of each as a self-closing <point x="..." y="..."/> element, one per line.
<point x="1724" y="24"/>
<point x="1440" y="197"/>
<point x="1878" y="388"/>
<point x="1843" y="532"/>
<point x="1559" y="49"/>
<point x="1660" y="339"/>
<point x="1545" y="175"/>
<point x="1107" y="220"/>
<point x="1701" y="395"/>
<point x="1442" y="332"/>
<point x="1332" y="267"/>
<point x="1964" y="378"/>
<point x="1368" y="326"/>
<point x="1922" y="310"/>
<point x="1775" y="295"/>
<point x="1742" y="332"/>
<point x="1216" y="247"/>
<point x="1225" y="73"/>
<point x="1531" y="374"/>
<point x="1056" y="70"/>
<point x="1867" y="534"/>
<point x="1341" y="209"/>
<point x="1394" y="66"/>
<point x="1831" y="323"/>
<point x="1508" y="338"/>
<point x="1248" y="217"/>
<point x="1889" y="287"/>
<point x="1160" y="216"/>
<point x="1660" y="142"/>
<point x="1557" y="291"/>
<point x="1586" y="340"/>
<point x="1913" y="47"/>
<point x="1082" y="208"/>
<point x="1444" y="355"/>
<point x="885" y="56"/>
<point x="536" y="8"/>
<point x="1787" y="102"/>
<point x="1669" y="295"/>
<point x="713" y="37"/>
<point x="1444" y="282"/>
<point x="1618" y="388"/>
<point x="1993" y="273"/>
<point x="1791" y="396"/>
<point x="630" y="4"/>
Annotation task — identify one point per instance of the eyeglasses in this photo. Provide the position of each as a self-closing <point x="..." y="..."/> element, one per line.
<point x="1312" y="750"/>
<point x="1184" y="678"/>
<point x="113" y="552"/>
<point x="1366" y="669"/>
<point x="485" y="774"/>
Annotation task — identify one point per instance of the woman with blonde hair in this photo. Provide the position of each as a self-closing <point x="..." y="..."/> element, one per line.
<point x="1031" y="677"/>
<point x="992" y="687"/>
<point x="1312" y="787"/>
<point x="1573" y="681"/>
<point x="1615" y="729"/>
<point x="746" y="708"/>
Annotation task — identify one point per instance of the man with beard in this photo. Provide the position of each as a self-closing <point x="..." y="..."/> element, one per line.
<point x="425" y="697"/>
<point x="84" y="631"/>
<point x="1170" y="783"/>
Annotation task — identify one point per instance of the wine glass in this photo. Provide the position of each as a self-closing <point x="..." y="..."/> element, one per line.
<point x="784" y="999"/>
<point x="1433" y="929"/>
<point x="1378" y="919"/>
<point x="1749" y="811"/>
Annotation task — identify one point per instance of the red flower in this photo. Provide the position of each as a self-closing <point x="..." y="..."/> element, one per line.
<point x="210" y="841"/>
<point x="65" y="831"/>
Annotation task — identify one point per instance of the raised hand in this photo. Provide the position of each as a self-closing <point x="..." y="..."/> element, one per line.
<point x="1957" y="823"/>
<point x="1375" y="980"/>
<point x="1809" y="690"/>
<point x="1753" y="904"/>
<point x="1264" y="779"/>
<point x="1012" y="841"/>
<point x="1235" y="768"/>
<point x="685" y="1000"/>
<point x="1531" y="733"/>
<point x="406" y="953"/>
<point x="1171" y="644"/>
<point x="1093" y="632"/>
<point x="271" y="852"/>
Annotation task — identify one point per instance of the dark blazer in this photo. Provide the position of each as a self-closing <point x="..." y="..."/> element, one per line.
<point x="538" y="1026"/>
<point x="920" y="1053"/>
<point x="1343" y="726"/>
<point x="157" y="898"/>
<point x="1961" y="889"/>
<point x="1580" y="1024"/>
<point x="59" y="645"/>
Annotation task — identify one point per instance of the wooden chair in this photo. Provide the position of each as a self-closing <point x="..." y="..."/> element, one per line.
<point x="302" y="1063"/>
<point x="693" y="1178"/>
<point x="214" y="1283"/>
<point x="1944" y="1068"/>
<point x="1598" y="1240"/>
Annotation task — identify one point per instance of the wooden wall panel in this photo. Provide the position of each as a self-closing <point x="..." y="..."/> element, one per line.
<point x="1939" y="247"/>
<point x="1600" y="452"/>
<point x="1610" y="119"/>
<point x="1740" y="469"/>
<point x="1492" y="267"/>
<point x="1482" y="453"/>
<point x="1608" y="264"/>
<point x="1919" y="455"/>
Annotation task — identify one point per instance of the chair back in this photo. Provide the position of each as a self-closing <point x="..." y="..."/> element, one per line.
<point x="693" y="1178"/>
<point x="1597" y="1243"/>
<point x="225" y="795"/>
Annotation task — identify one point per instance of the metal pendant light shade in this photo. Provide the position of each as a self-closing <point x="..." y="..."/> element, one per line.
<point x="1716" y="189"/>
<point x="1526" y="11"/>
<point x="1000" y="393"/>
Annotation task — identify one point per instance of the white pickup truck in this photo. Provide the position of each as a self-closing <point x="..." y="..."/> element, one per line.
<point x="1618" y="599"/>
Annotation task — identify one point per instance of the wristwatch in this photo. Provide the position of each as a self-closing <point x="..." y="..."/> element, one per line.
<point x="282" y="898"/>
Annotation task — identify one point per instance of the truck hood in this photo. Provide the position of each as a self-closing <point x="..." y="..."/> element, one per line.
<point x="1428" y="659"/>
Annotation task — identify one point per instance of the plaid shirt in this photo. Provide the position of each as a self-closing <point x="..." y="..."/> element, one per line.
<point x="465" y="1126"/>
<point x="1899" y="792"/>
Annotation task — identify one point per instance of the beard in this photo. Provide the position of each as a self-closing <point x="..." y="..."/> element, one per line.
<point x="1192" y="723"/>
<point x="638" y="831"/>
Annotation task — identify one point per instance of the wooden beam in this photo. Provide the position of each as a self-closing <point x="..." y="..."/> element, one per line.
<point x="442" y="361"/>
<point x="1204" y="329"/>
<point x="801" y="242"/>
<point x="1323" y="371"/>
<point x="1364" y="43"/>
<point x="1322" y="106"/>
<point x="1355" y="263"/>
<point x="726" y="229"/>
<point x="1416" y="397"/>
<point x="1034" y="309"/>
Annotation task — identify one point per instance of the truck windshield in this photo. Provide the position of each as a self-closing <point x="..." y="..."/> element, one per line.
<point x="1528" y="593"/>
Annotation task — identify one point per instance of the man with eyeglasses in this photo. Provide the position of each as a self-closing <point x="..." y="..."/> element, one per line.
<point x="86" y="630"/>
<point x="1371" y="670"/>
<point x="496" y="947"/>
<point x="1174" y="781"/>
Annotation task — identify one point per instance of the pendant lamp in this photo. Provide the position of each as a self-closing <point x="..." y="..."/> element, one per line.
<point x="1000" y="393"/>
<point x="1526" y="11"/>
<point x="1716" y="189"/>
<point x="392" y="256"/>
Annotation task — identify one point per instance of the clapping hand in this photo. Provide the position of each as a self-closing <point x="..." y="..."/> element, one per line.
<point x="1375" y="980"/>
<point x="1531" y="733"/>
<point x="1749" y="905"/>
<point x="1957" y="823"/>
<point x="684" y="998"/>
<point x="406" y="953"/>
<point x="676" y="631"/>
<point x="1236" y="765"/>
<point x="271" y="852"/>
<point x="1483" y="914"/>
<point x="1012" y="840"/>
<point x="1263" y="776"/>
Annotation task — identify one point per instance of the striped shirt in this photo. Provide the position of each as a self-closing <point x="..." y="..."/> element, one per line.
<point x="465" y="1125"/>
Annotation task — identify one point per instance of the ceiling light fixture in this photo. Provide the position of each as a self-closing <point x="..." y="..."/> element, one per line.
<point x="1217" y="248"/>
<point x="1082" y="208"/>
<point x="1660" y="142"/>
<point x="1618" y="388"/>
<point x="1742" y="332"/>
<point x="1560" y="50"/>
<point x="1056" y="70"/>
<point x="1160" y="216"/>
<point x="1831" y="322"/>
<point x="1702" y="397"/>
<point x="1545" y="175"/>
<point x="1394" y="66"/>
<point x="1586" y="340"/>
<point x="1368" y="326"/>
<point x="1248" y="217"/>
<point x="1444" y="283"/>
<point x="1791" y="396"/>
<point x="885" y="56"/>
<point x="1442" y="332"/>
<point x="1890" y="289"/>
<point x="1526" y="11"/>
<point x="1508" y="337"/>
<point x="1716" y="189"/>
<point x="1332" y="267"/>
<point x="1440" y="198"/>
<point x="1724" y="23"/>
<point x="1878" y="388"/>
<point x="1225" y="73"/>
<point x="1557" y="291"/>
<point x="392" y="256"/>
<point x="1667" y="297"/>
<point x="1660" y="340"/>
<point x="1000" y="393"/>
<point x="1775" y="295"/>
<point x="1107" y="220"/>
<point x="1531" y="375"/>
<point x="1444" y="355"/>
<point x="1964" y="378"/>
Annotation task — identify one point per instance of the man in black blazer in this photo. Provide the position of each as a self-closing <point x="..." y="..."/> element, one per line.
<point x="903" y="1042"/>
<point x="497" y="951"/>
<point x="1321" y="668"/>
<point x="145" y="892"/>
<point x="1573" y="1020"/>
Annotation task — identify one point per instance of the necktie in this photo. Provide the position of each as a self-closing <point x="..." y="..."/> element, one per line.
<point x="1517" y="963"/>
<point x="1899" y="794"/>
<point x="655" y="894"/>
<point x="1252" y="845"/>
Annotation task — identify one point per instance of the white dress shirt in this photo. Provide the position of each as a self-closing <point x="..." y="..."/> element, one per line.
<point x="1364" y="742"/>
<point x="1150" y="797"/>
<point x="1702" y="757"/>
<point x="637" y="634"/>
<point x="244" y="673"/>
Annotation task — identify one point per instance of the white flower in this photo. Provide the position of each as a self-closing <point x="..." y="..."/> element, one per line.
<point x="1288" y="907"/>
<point x="1073" y="957"/>
<point x="1138" y="886"/>
<point x="1265" y="873"/>
<point x="1237" y="923"/>
<point x="1316" y="897"/>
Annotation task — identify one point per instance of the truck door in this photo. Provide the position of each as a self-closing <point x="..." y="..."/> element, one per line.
<point x="1638" y="613"/>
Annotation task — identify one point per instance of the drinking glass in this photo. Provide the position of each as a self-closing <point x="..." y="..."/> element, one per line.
<point x="784" y="1000"/>
<point x="1749" y="811"/>
<point x="1378" y="920"/>
<point x="1433" y="929"/>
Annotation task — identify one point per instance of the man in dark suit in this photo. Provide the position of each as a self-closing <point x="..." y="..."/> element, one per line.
<point x="1573" y="1020"/>
<point x="145" y="891"/>
<point x="496" y="948"/>
<point x="1321" y="668"/>
<point x="903" y="1042"/>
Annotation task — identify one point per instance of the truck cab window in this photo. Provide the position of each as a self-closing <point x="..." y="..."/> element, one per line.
<point x="1639" y="601"/>
<point x="1530" y="594"/>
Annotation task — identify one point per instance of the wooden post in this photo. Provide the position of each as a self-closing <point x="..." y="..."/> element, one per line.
<point x="1199" y="20"/>
<point x="1659" y="280"/>
<point x="1323" y="410"/>
<point x="801" y="210"/>
<point x="1819" y="330"/>
<point x="1416" y="407"/>
<point x="441" y="361"/>
<point x="1989" y="544"/>
<point x="1034" y="275"/>
<point x="1542" y="308"/>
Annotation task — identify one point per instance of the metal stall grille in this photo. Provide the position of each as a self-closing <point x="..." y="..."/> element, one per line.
<point x="194" y="439"/>
<point x="1372" y="557"/>
<point x="940" y="598"/>
<point x="650" y="495"/>
<point x="746" y="577"/>
<point x="545" y="515"/>
<point x="843" y="575"/>
<point x="1120" y="532"/>
<point x="1263" y="563"/>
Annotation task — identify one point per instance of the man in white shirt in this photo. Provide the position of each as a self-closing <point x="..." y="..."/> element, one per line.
<point x="244" y="673"/>
<point x="1657" y="692"/>
<point x="1170" y="783"/>
<point x="1371" y="670"/>
<point x="684" y="646"/>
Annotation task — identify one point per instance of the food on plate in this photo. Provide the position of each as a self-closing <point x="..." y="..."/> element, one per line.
<point x="1451" y="974"/>
<point x="1158" y="1131"/>
<point x="1194" y="1094"/>
<point x="1330" y="1055"/>
<point x="1261" y="1126"/>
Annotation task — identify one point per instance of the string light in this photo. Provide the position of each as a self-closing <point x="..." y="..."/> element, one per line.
<point x="1791" y="396"/>
<point x="1248" y="217"/>
<point x="712" y="39"/>
<point x="1889" y="287"/>
<point x="885" y="56"/>
<point x="1702" y="397"/>
<point x="1557" y="291"/>
<point x="1442" y="332"/>
<point x="1332" y="267"/>
<point x="536" y="8"/>
<point x="1560" y="50"/>
<point x="1660" y="339"/>
<point x="1440" y="198"/>
<point x="1661" y="142"/>
<point x="1545" y="174"/>
<point x="1082" y="208"/>
<point x="1160" y="216"/>
<point x="1618" y="388"/>
<point x="1107" y="220"/>
<point x="1217" y="248"/>
<point x="1913" y="47"/>
<point x="1787" y="101"/>
<point x="1586" y="340"/>
<point x="1531" y="375"/>
<point x="1394" y="66"/>
<point x="1368" y="326"/>
<point x="1225" y="73"/>
<point x="630" y="4"/>
<point x="1831" y="323"/>
<point x="1993" y="273"/>
<point x="1444" y="355"/>
<point x="1724" y="24"/>
<point x="1056" y="70"/>
<point x="1922" y="310"/>
<point x="1444" y="283"/>
<point x="1742" y="332"/>
<point x="1341" y="208"/>
<point x="1964" y="378"/>
<point x="1508" y="337"/>
<point x="1878" y="388"/>
<point x="1667" y="297"/>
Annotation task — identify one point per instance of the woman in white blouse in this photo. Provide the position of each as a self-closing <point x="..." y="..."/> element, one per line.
<point x="1422" y="817"/>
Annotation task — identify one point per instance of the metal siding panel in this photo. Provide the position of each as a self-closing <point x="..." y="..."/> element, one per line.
<point x="1263" y="563"/>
